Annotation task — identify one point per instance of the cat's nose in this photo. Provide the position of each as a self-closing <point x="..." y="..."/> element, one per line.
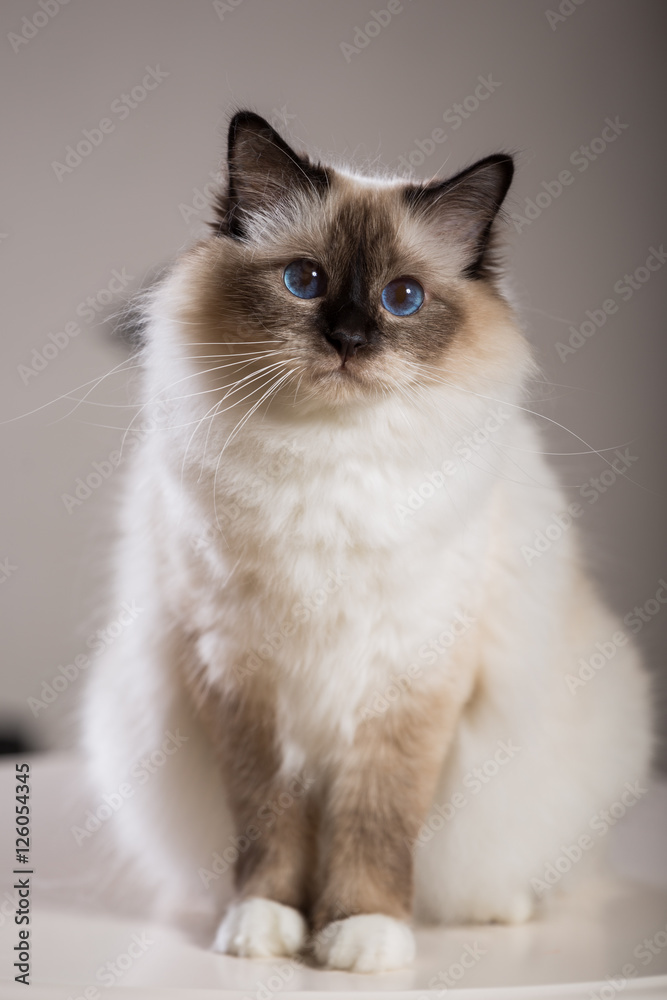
<point x="347" y="344"/>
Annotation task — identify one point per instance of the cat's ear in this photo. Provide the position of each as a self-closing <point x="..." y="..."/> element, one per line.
<point x="464" y="208"/>
<point x="263" y="171"/>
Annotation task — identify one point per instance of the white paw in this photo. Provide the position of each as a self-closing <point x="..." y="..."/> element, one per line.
<point x="260" y="928"/>
<point x="365" y="943"/>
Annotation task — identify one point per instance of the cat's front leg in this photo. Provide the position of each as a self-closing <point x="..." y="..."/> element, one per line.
<point x="275" y="829"/>
<point x="377" y="799"/>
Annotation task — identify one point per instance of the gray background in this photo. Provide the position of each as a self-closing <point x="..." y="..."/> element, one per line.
<point x="125" y="207"/>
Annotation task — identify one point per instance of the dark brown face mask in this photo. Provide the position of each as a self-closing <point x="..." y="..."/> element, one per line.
<point x="356" y="280"/>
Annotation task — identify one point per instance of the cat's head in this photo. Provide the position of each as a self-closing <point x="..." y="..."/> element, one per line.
<point x="351" y="287"/>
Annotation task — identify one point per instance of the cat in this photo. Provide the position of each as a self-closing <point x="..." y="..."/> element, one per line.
<point x="345" y="623"/>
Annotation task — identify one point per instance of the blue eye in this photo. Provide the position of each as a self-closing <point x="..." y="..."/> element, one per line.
<point x="402" y="296"/>
<point x="305" y="279"/>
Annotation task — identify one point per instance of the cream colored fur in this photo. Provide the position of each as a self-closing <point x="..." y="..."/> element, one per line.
<point x="333" y="509"/>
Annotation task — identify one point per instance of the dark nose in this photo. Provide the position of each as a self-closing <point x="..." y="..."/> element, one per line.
<point x="347" y="344"/>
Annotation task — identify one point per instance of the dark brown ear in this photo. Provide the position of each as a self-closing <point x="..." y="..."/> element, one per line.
<point x="262" y="171"/>
<point x="464" y="209"/>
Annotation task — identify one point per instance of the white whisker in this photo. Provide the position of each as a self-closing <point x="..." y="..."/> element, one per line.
<point x="279" y="380"/>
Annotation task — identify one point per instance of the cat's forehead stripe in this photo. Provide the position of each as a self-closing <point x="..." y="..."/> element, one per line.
<point x="362" y="226"/>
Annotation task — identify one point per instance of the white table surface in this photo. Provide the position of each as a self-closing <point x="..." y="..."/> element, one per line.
<point x="584" y="937"/>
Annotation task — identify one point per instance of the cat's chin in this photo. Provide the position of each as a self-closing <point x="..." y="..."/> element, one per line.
<point x="345" y="384"/>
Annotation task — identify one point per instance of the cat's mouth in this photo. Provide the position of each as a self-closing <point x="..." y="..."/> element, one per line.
<point x="344" y="370"/>
<point x="348" y="374"/>
<point x="352" y="374"/>
<point x="353" y="363"/>
<point x="352" y="367"/>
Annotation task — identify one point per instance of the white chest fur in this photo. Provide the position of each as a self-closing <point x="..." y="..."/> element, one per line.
<point x="318" y="579"/>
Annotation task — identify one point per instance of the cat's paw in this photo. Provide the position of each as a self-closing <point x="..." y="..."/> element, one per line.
<point x="260" y="928"/>
<point x="366" y="943"/>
